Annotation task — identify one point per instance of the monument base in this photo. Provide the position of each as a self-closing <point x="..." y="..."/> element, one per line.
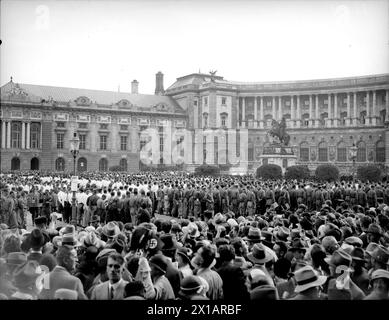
<point x="279" y="155"/>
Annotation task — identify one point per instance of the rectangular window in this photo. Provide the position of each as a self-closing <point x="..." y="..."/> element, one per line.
<point x="195" y="102"/>
<point x="160" y="130"/>
<point x="82" y="141"/>
<point x="224" y="100"/>
<point x="103" y="142"/>
<point x="323" y="154"/>
<point x="60" y="124"/>
<point x="250" y="154"/>
<point x="304" y="154"/>
<point x="123" y="143"/>
<point x="83" y="125"/>
<point x="161" y="144"/>
<point x="103" y="126"/>
<point x="223" y="121"/>
<point x="342" y="154"/>
<point x="205" y="101"/>
<point x="124" y="127"/>
<point x="60" y="139"/>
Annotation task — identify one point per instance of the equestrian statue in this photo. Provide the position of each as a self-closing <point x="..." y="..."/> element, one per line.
<point x="278" y="130"/>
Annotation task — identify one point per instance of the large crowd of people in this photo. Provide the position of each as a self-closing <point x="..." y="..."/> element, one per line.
<point x="165" y="236"/>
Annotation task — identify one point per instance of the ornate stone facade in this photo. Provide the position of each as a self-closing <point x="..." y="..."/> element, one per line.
<point x="323" y="117"/>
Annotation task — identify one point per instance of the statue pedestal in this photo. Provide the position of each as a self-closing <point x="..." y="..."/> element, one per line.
<point x="280" y="155"/>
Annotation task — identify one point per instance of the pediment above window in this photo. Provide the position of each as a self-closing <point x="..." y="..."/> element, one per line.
<point x="125" y="104"/>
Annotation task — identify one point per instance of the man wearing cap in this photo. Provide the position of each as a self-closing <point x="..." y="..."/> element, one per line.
<point x="114" y="287"/>
<point x="308" y="284"/>
<point x="380" y="285"/>
<point x="61" y="278"/>
<point x="340" y="285"/>
<point x="359" y="275"/>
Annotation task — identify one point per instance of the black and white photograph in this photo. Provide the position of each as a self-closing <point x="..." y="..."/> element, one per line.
<point x="208" y="154"/>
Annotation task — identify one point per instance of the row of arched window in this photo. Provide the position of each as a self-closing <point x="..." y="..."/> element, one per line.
<point x="341" y="155"/>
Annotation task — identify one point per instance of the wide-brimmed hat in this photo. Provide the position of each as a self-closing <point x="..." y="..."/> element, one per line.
<point x="259" y="254"/>
<point x="306" y="278"/>
<point x="16" y="258"/>
<point x="65" y="294"/>
<point x="159" y="262"/>
<point x="69" y="240"/>
<point x="192" y="230"/>
<point x="68" y="229"/>
<point x="381" y="254"/>
<point x="379" y="274"/>
<point x="254" y="235"/>
<point x="358" y="254"/>
<point x="354" y="241"/>
<point x="185" y="252"/>
<point x="282" y="233"/>
<point x="267" y="237"/>
<point x="26" y="274"/>
<point x="297" y="244"/>
<point x="339" y="258"/>
<point x="104" y="253"/>
<point x="375" y="229"/>
<point x="36" y="238"/>
<point x="190" y="285"/>
<point x="111" y="230"/>
<point x="168" y="242"/>
<point x="371" y="247"/>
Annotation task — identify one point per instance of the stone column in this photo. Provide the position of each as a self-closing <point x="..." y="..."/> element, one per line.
<point x="387" y="105"/>
<point x="298" y="120"/>
<point x="348" y="118"/>
<point x="336" y="117"/>
<point x="261" y="112"/>
<point x="28" y="135"/>
<point x="243" y="111"/>
<point x="355" y="109"/>
<point x="255" y="109"/>
<point x="3" y="134"/>
<point x="311" y="121"/>
<point x="317" y="115"/>
<point x="273" y="108"/>
<point x="329" y="117"/>
<point x="374" y="111"/>
<point x="368" y="105"/>
<point x="237" y="112"/>
<point x="280" y="111"/>
<point x="23" y="135"/>
<point x="41" y="134"/>
<point x="9" y="134"/>
<point x="292" y="112"/>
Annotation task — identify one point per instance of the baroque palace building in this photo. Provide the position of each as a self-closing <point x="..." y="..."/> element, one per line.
<point x="324" y="119"/>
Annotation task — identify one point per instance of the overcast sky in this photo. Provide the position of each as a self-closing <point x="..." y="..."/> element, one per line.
<point x="107" y="44"/>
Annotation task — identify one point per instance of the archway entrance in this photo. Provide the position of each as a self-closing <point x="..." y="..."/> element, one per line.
<point x="34" y="164"/>
<point x="15" y="164"/>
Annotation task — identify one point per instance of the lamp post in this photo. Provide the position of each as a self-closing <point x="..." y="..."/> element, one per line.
<point x="353" y="156"/>
<point x="74" y="150"/>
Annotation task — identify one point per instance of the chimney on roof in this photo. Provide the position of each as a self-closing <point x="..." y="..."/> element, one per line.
<point x="159" y="84"/>
<point x="134" y="87"/>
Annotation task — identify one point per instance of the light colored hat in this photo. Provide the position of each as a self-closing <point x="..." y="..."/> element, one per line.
<point x="306" y="278"/>
<point x="232" y="222"/>
<point x="65" y="294"/>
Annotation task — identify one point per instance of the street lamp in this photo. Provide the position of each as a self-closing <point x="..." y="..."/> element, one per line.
<point x="353" y="156"/>
<point x="74" y="150"/>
